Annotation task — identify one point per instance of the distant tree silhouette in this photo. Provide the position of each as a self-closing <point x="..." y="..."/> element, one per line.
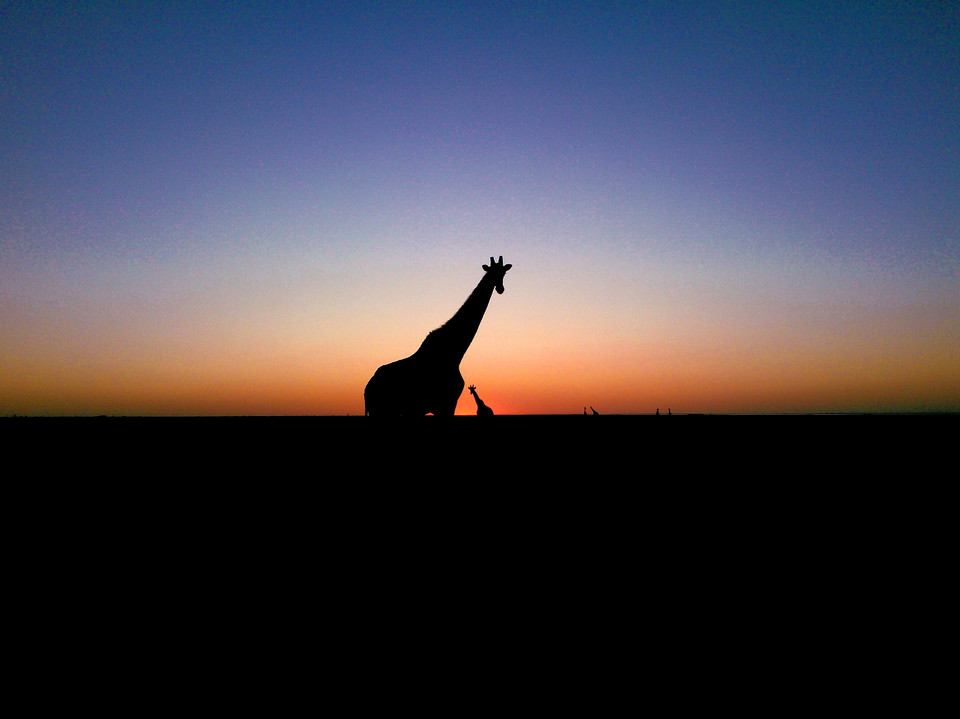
<point x="482" y="409"/>
<point x="429" y="380"/>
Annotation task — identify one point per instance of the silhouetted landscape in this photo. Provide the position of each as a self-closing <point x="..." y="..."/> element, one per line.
<point x="287" y="208"/>
<point x="709" y="532"/>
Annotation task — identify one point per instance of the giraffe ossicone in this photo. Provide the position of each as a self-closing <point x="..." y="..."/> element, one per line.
<point x="429" y="380"/>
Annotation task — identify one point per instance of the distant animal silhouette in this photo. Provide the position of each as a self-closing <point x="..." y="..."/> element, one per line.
<point x="482" y="409"/>
<point x="429" y="380"/>
<point x="594" y="411"/>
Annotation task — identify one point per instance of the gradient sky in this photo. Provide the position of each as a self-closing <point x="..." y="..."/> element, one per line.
<point x="246" y="208"/>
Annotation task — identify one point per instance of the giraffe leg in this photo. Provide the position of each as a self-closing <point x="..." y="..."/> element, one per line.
<point x="452" y="389"/>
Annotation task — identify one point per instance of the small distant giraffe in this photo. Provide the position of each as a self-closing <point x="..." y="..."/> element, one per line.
<point x="482" y="409"/>
<point x="429" y="380"/>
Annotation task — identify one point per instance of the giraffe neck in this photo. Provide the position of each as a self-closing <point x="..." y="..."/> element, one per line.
<point x="452" y="339"/>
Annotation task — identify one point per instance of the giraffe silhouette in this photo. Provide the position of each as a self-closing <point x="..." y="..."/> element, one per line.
<point x="429" y="380"/>
<point x="482" y="409"/>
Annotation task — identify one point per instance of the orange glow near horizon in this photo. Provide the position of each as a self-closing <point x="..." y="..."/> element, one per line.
<point x="516" y="372"/>
<point x="681" y="394"/>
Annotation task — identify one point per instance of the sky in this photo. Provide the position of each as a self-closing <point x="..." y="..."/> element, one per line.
<point x="245" y="208"/>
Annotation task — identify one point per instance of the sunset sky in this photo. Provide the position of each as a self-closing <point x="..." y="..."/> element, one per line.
<point x="245" y="208"/>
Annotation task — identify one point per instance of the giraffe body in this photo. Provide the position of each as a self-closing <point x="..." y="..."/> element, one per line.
<point x="429" y="380"/>
<point x="413" y="386"/>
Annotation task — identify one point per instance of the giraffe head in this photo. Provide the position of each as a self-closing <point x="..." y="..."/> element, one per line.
<point x="473" y="387"/>
<point x="496" y="270"/>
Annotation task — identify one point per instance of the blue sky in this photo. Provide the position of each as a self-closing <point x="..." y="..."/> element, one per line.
<point x="280" y="186"/>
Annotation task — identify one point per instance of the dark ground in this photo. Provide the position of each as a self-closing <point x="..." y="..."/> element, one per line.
<point x="754" y="554"/>
<point x="503" y="449"/>
<point x="600" y="474"/>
